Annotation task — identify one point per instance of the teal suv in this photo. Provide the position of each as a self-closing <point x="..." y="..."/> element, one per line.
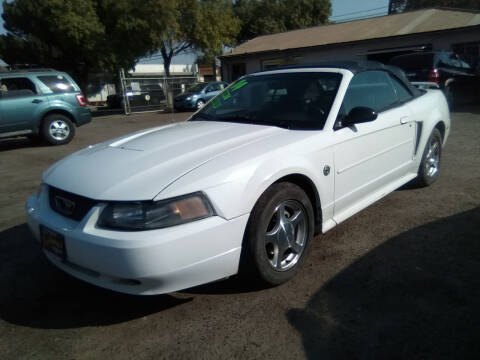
<point x="47" y="103"/>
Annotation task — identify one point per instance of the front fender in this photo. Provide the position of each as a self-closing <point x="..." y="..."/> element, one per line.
<point x="234" y="188"/>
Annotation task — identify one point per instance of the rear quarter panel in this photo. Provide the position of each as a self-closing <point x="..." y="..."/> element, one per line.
<point x="428" y="111"/>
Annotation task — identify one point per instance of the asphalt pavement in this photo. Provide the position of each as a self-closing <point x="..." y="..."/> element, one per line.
<point x="399" y="280"/>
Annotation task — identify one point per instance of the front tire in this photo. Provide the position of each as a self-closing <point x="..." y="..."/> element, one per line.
<point x="57" y="129"/>
<point x="279" y="234"/>
<point x="200" y="104"/>
<point x="429" y="169"/>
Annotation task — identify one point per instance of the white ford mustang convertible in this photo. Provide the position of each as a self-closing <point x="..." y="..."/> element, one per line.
<point x="245" y="183"/>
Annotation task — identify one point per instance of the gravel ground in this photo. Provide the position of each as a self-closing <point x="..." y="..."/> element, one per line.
<point x="400" y="280"/>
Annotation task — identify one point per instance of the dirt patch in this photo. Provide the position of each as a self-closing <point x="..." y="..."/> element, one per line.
<point x="399" y="280"/>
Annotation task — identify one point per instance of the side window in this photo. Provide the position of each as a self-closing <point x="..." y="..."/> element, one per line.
<point x="465" y="65"/>
<point x="455" y="63"/>
<point x="18" y="87"/>
<point x="371" y="89"/>
<point x="403" y="94"/>
<point x="58" y="83"/>
<point x="443" y="60"/>
<point x="209" y="88"/>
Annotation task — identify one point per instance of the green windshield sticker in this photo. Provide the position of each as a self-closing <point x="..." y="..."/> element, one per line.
<point x="216" y="103"/>
<point x="239" y="85"/>
<point x="226" y="95"/>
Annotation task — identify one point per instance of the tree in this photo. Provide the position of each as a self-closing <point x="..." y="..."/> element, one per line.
<point x="83" y="35"/>
<point x="260" y="17"/>
<point x="397" y="6"/>
<point x="205" y="26"/>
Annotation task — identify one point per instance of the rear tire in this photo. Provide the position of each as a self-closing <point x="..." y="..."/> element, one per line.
<point x="279" y="234"/>
<point x="57" y="129"/>
<point x="429" y="169"/>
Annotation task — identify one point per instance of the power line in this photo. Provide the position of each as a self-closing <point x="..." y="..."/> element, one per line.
<point x="361" y="17"/>
<point x="360" y="11"/>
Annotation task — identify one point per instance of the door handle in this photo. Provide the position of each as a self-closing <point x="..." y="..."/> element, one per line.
<point x="404" y="120"/>
<point x="37" y="101"/>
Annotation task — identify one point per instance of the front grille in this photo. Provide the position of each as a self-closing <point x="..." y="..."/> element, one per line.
<point x="70" y="205"/>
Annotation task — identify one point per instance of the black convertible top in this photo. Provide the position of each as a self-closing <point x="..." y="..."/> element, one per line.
<point x="356" y="67"/>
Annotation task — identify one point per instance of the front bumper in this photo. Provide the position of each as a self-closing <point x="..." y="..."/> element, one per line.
<point x="184" y="104"/>
<point x="145" y="262"/>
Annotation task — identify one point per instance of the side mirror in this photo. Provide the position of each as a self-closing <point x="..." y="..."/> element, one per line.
<point x="359" y="114"/>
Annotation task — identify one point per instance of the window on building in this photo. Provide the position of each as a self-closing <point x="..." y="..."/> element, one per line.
<point x="272" y="64"/>
<point x="238" y="70"/>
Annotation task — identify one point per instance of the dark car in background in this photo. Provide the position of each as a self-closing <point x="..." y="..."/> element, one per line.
<point x="41" y="102"/>
<point x="146" y="95"/>
<point x="196" y="96"/>
<point x="453" y="75"/>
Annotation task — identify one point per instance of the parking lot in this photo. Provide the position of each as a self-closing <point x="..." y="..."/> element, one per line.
<point x="400" y="279"/>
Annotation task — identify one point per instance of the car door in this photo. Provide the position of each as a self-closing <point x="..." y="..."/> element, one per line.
<point x="19" y="103"/>
<point x="371" y="157"/>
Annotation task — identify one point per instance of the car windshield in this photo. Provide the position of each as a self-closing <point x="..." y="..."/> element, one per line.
<point x="300" y="100"/>
<point x="196" y="87"/>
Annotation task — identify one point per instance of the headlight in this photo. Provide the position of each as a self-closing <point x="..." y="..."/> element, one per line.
<point x="188" y="98"/>
<point x="155" y="215"/>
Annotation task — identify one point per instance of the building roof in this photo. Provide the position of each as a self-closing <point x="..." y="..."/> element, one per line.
<point x="413" y="22"/>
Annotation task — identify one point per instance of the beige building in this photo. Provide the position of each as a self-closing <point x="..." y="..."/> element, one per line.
<point x="374" y="39"/>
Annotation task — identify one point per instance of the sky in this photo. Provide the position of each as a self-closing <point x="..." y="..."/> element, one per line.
<point x="342" y="10"/>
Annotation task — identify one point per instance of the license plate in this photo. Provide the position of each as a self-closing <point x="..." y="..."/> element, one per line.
<point x="53" y="242"/>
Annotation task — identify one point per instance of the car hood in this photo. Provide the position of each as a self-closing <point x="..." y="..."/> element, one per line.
<point x="140" y="165"/>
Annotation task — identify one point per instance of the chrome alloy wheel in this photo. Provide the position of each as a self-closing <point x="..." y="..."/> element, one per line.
<point x="59" y="130"/>
<point x="200" y="104"/>
<point x="432" y="161"/>
<point x="286" y="235"/>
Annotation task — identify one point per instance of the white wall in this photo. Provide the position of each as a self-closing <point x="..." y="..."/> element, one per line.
<point x="158" y="69"/>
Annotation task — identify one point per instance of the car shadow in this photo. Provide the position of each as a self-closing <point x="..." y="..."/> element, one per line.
<point x="236" y="284"/>
<point x="35" y="294"/>
<point x="8" y="144"/>
<point x="414" y="297"/>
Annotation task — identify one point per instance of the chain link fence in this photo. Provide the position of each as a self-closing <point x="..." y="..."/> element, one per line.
<point x="144" y="94"/>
